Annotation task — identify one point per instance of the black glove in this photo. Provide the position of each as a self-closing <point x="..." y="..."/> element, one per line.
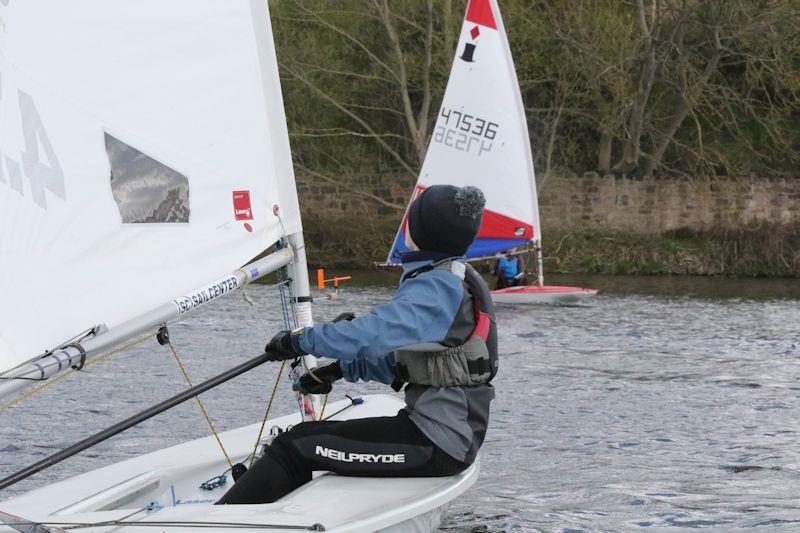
<point x="348" y="315"/>
<point x="284" y="345"/>
<point x="327" y="374"/>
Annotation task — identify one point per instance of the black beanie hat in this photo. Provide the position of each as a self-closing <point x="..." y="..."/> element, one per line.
<point x="445" y="218"/>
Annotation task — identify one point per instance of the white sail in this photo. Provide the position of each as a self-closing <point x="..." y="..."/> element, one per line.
<point x="481" y="136"/>
<point x="143" y="146"/>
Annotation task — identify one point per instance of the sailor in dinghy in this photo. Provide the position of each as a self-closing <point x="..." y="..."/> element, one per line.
<point x="481" y="139"/>
<point x="437" y="336"/>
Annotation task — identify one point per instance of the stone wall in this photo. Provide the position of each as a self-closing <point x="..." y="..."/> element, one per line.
<point x="598" y="202"/>
<point x="651" y="205"/>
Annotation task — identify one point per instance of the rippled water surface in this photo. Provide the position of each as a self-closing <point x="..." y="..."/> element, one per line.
<point x="646" y="409"/>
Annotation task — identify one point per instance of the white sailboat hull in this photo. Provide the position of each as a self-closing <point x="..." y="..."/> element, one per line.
<point x="169" y="481"/>
<point x="549" y="294"/>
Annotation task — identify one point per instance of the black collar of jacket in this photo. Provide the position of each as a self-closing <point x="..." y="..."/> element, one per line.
<point x="419" y="255"/>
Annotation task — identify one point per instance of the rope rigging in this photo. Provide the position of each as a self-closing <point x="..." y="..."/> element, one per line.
<point x="287" y="299"/>
<point x="266" y="413"/>
<point x="286" y="295"/>
<point x="290" y="322"/>
<point x="163" y="339"/>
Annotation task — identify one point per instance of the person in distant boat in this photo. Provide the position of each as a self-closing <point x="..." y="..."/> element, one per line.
<point x="436" y="337"/>
<point x="508" y="271"/>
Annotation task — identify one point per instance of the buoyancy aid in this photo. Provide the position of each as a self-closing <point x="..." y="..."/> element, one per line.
<point x="468" y="354"/>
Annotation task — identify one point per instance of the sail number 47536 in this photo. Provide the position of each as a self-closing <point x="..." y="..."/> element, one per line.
<point x="465" y="132"/>
<point x="41" y="175"/>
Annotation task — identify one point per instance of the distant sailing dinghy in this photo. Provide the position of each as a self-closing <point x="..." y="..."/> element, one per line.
<point x="542" y="294"/>
<point x="481" y="139"/>
<point x="144" y="158"/>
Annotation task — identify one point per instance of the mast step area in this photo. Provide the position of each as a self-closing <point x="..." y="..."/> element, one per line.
<point x="163" y="489"/>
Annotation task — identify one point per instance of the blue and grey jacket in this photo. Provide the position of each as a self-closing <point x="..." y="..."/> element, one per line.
<point x="422" y="310"/>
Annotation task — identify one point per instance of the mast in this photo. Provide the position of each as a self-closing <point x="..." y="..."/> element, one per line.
<point x="303" y="312"/>
<point x="302" y="287"/>
<point x="539" y="264"/>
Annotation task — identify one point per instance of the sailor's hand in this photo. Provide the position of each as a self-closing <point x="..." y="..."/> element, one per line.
<point x="321" y="382"/>
<point x="284" y="345"/>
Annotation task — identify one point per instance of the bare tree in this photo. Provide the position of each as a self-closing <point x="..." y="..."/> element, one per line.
<point x="416" y="123"/>
<point x="635" y="125"/>
<point x="397" y="61"/>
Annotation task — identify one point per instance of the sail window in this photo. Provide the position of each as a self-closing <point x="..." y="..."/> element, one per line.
<point x="146" y="191"/>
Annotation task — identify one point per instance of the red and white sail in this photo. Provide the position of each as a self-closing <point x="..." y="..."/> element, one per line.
<point x="481" y="137"/>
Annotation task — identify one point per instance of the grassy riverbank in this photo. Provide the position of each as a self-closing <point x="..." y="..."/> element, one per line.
<point x="762" y="251"/>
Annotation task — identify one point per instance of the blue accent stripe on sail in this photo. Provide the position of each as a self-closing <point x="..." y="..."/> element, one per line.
<point x="479" y="248"/>
<point x="398" y="248"/>
<point x="492" y="246"/>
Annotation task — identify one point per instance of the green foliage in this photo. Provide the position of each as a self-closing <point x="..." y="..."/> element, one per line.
<point x="725" y="73"/>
